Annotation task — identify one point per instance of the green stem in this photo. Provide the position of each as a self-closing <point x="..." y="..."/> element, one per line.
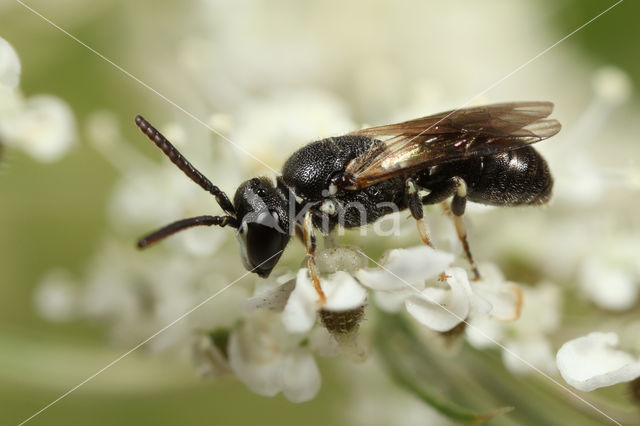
<point x="475" y="380"/>
<point x="402" y="341"/>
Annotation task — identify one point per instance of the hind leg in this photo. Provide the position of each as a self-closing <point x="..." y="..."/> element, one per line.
<point x="455" y="187"/>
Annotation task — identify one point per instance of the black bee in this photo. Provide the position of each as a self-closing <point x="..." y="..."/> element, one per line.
<point x="481" y="154"/>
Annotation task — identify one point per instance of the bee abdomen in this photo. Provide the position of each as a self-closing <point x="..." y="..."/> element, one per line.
<point x="512" y="178"/>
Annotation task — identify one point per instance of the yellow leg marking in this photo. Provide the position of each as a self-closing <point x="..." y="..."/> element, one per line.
<point x="313" y="271"/>
<point x="461" y="229"/>
<point x="424" y="232"/>
<point x="310" y="244"/>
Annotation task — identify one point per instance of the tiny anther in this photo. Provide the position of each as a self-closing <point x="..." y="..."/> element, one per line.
<point x="443" y="277"/>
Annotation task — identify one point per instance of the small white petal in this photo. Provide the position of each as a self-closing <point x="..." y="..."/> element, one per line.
<point x="392" y="301"/>
<point x="269" y="360"/>
<point x="479" y="304"/>
<point x="274" y="299"/>
<point x="256" y="366"/>
<point x="402" y="267"/>
<point x="301" y="378"/>
<point x="343" y="292"/>
<point x="9" y="65"/>
<point x="440" y="309"/>
<point x="299" y="314"/>
<point x="504" y="298"/>
<point x="590" y="362"/>
<point x="541" y="311"/>
<point x="608" y="286"/>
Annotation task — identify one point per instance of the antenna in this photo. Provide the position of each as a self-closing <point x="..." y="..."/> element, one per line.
<point x="183" y="224"/>
<point x="184" y="165"/>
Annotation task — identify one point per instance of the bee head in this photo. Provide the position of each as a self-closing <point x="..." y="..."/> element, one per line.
<point x="258" y="212"/>
<point x="263" y="228"/>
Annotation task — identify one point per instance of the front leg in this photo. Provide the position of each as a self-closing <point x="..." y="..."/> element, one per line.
<point x="309" y="239"/>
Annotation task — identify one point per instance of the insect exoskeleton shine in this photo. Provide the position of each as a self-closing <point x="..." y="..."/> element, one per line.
<point x="481" y="154"/>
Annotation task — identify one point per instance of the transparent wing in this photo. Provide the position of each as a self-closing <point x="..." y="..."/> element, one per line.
<point x="450" y="136"/>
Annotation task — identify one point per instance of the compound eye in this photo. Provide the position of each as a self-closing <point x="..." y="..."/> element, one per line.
<point x="264" y="247"/>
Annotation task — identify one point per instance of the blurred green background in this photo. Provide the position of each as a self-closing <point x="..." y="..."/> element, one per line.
<point x="53" y="215"/>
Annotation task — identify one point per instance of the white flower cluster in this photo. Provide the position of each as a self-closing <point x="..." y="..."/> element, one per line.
<point x="269" y="338"/>
<point x="287" y="322"/>
<point x="494" y="311"/>
<point x="272" y="343"/>
<point x="41" y="125"/>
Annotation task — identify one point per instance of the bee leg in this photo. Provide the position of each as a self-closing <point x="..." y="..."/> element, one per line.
<point x="461" y="229"/>
<point x="309" y="239"/>
<point x="416" y="209"/>
<point x="456" y="187"/>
